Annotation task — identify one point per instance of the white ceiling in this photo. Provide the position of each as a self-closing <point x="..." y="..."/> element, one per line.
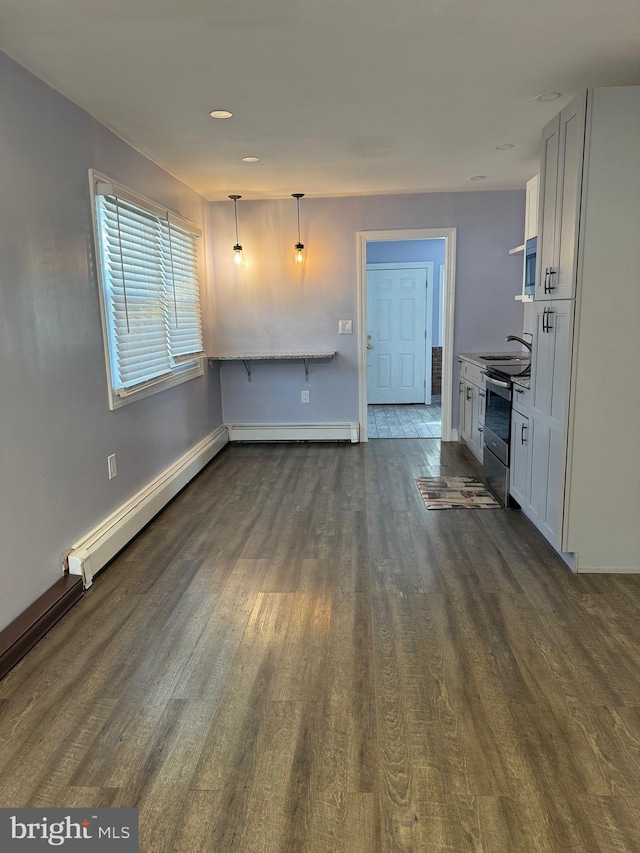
<point x="337" y="97"/>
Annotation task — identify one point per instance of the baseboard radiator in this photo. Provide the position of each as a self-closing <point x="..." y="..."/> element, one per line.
<point x="295" y="432"/>
<point x="93" y="551"/>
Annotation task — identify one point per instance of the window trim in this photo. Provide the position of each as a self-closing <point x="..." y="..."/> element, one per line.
<point x="181" y="372"/>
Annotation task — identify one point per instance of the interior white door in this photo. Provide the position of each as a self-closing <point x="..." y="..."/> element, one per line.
<point x="396" y="335"/>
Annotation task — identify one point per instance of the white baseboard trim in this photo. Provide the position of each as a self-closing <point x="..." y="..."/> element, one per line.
<point x="94" y="550"/>
<point x="295" y="432"/>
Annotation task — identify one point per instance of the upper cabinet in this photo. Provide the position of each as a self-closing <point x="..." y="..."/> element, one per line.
<point x="528" y="248"/>
<point x="531" y="209"/>
<point x="559" y="204"/>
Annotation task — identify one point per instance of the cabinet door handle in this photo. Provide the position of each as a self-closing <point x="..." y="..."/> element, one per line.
<point x="519" y="390"/>
<point x="468" y="392"/>
<point x="549" y="326"/>
<point x="546" y="279"/>
<point x="481" y="394"/>
<point x="522" y="429"/>
<point x="544" y="319"/>
<point x="551" y="285"/>
<point x="480" y="429"/>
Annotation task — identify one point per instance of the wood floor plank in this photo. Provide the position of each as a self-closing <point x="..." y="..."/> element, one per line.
<point x="300" y="674"/>
<point x="229" y="748"/>
<point x="209" y="821"/>
<point x="453" y="719"/>
<point x="362" y="824"/>
<point x="266" y="820"/>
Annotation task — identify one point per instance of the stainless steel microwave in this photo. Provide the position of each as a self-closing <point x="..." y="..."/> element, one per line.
<point x="531" y="248"/>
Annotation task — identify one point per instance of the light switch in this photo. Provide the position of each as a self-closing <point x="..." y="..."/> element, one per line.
<point x="345" y="327"/>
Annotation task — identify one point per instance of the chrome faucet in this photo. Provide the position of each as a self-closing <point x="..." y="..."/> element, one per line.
<point x="516" y="338"/>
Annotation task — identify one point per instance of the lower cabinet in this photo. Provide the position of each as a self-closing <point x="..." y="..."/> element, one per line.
<point x="472" y="407"/>
<point x="546" y="488"/>
<point x="520" y="456"/>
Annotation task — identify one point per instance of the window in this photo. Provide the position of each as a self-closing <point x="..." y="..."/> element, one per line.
<point x="148" y="265"/>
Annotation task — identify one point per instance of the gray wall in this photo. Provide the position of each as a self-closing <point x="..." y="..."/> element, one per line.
<point x="272" y="305"/>
<point x="56" y="429"/>
<point x="395" y="251"/>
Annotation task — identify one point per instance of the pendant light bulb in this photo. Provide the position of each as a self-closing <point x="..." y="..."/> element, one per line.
<point x="299" y="247"/>
<point x="237" y="249"/>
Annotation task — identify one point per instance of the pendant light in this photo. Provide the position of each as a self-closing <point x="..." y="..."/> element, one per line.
<point x="237" y="249"/>
<point x="299" y="247"/>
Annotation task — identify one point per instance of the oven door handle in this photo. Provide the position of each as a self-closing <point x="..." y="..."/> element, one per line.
<point x="499" y="382"/>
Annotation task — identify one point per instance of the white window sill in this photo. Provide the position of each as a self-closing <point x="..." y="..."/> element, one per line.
<point x="155" y="387"/>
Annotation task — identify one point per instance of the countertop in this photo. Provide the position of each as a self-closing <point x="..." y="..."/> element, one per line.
<point x="271" y="356"/>
<point x="476" y="358"/>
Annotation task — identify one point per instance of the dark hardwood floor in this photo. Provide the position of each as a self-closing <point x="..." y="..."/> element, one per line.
<point x="297" y="656"/>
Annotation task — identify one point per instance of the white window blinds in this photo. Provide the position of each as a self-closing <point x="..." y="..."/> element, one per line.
<point x="150" y="291"/>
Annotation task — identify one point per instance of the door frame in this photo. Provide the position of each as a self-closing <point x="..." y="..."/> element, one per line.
<point x="430" y="269"/>
<point x="449" y="236"/>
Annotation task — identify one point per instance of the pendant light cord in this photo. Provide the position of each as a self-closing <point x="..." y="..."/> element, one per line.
<point x="235" y="210"/>
<point x="298" y="200"/>
<point x="234" y="199"/>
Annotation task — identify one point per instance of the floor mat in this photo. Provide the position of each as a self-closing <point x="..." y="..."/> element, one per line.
<point x="455" y="493"/>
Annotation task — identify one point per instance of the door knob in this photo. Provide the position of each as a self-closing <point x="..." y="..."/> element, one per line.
<point x="369" y="346"/>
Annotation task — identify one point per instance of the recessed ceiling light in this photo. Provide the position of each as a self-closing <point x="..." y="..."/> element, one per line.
<point x="504" y="147"/>
<point x="250" y="159"/>
<point x="547" y="96"/>
<point x="220" y="113"/>
<point x="477" y="177"/>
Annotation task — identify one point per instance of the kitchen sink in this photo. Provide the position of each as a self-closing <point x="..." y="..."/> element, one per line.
<point x="503" y="358"/>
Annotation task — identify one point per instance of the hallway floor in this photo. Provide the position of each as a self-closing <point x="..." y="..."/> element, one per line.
<point x="296" y="656"/>
<point x="405" y="421"/>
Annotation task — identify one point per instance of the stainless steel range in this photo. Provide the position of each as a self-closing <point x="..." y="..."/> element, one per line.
<point x="497" y="427"/>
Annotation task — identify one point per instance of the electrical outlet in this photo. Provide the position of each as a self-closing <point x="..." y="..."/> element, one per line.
<point x="304" y="396"/>
<point x="345" y="327"/>
<point x="111" y="462"/>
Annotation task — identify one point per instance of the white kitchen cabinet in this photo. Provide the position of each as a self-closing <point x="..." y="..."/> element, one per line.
<point x="519" y="469"/>
<point x="469" y="403"/>
<point x="477" y="432"/>
<point x="551" y="360"/>
<point x="530" y="231"/>
<point x="584" y="467"/>
<point x="550" y="377"/>
<point x="482" y="407"/>
<point x="560" y="201"/>
<point x="531" y="208"/>
<point x="546" y="479"/>
<point x="547" y="205"/>
<point x="472" y="407"/>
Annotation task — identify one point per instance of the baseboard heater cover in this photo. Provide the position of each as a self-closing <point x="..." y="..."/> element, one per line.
<point x="295" y="432"/>
<point x="97" y="548"/>
<point x="26" y="630"/>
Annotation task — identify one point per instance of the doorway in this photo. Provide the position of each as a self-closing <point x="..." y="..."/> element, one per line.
<point x="406" y="299"/>
<point x="399" y="332"/>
